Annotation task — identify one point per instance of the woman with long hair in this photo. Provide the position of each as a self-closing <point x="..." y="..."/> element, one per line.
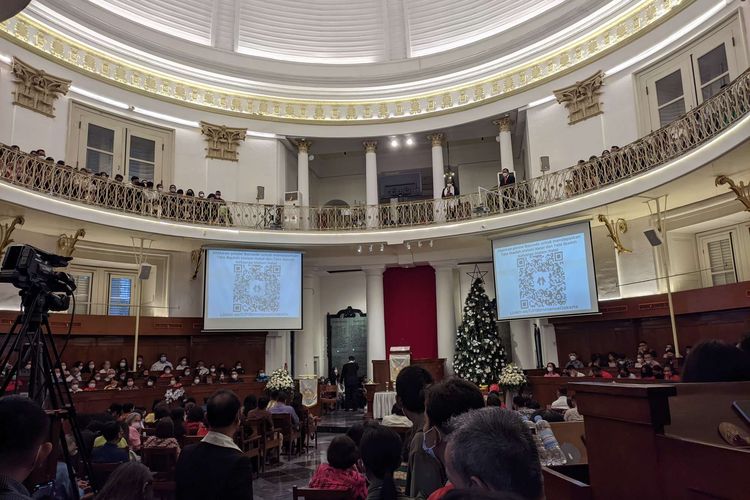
<point x="129" y="481"/>
<point x="380" y="449"/>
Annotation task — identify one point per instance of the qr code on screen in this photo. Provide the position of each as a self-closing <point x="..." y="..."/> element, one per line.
<point x="257" y="288"/>
<point x="541" y="280"/>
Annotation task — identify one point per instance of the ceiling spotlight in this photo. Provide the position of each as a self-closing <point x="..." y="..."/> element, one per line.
<point x="408" y="245"/>
<point x="382" y="247"/>
<point x="370" y="248"/>
<point x="359" y="249"/>
<point x="310" y="157"/>
<point x="409" y="141"/>
<point x="394" y="143"/>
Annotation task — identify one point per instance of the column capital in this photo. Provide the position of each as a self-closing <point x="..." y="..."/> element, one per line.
<point x="303" y="145"/>
<point x="444" y="265"/>
<point x="370" y="146"/>
<point x="374" y="270"/>
<point x="504" y="123"/>
<point x="436" y="139"/>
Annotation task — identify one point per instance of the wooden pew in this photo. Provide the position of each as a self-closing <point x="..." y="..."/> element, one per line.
<point x="100" y="401"/>
<point x="571" y="437"/>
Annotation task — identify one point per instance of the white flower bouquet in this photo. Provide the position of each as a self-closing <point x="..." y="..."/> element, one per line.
<point x="280" y="380"/>
<point x="173" y="395"/>
<point x="512" y="378"/>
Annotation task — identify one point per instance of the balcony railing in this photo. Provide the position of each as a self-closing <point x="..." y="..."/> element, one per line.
<point x="679" y="137"/>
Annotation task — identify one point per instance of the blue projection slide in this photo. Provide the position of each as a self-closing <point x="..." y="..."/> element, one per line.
<point x="253" y="284"/>
<point x="544" y="277"/>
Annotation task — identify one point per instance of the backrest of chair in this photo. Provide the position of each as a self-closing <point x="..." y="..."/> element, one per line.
<point x="101" y="472"/>
<point x="192" y="439"/>
<point x="160" y="459"/>
<point x="283" y="421"/>
<point x="318" y="494"/>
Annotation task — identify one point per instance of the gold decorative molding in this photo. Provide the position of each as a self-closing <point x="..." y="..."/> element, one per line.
<point x="370" y="146"/>
<point x="6" y="231"/>
<point x="35" y="89"/>
<point x="196" y="256"/>
<point x="615" y="228"/>
<point x="503" y="124"/>
<point x="582" y="98"/>
<point x="630" y="25"/>
<point x="222" y="141"/>
<point x="66" y="245"/>
<point x="741" y="190"/>
<point x="303" y="145"/>
<point x="436" y="139"/>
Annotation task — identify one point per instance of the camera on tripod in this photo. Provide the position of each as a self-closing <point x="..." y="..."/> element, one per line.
<point x="33" y="270"/>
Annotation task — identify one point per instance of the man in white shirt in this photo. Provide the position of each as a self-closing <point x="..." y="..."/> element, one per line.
<point x="161" y="363"/>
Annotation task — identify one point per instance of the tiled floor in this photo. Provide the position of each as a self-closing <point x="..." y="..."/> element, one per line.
<point x="277" y="481"/>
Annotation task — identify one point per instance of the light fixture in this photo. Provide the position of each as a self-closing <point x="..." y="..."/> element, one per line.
<point x="310" y="157"/>
<point x="409" y="141"/>
<point x="370" y="247"/>
<point x="359" y="249"/>
<point x="394" y="143"/>
<point x="419" y="244"/>
<point x="430" y="243"/>
<point x="382" y="247"/>
<point x="408" y="245"/>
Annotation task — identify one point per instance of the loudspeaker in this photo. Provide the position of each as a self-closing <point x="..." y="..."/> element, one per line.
<point x="544" y="163"/>
<point x="261" y="193"/>
<point x="144" y="272"/>
<point x="653" y="237"/>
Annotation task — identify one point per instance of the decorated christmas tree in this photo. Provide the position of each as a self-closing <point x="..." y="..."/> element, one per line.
<point x="479" y="355"/>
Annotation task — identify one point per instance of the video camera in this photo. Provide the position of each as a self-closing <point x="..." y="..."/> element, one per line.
<point x="29" y="268"/>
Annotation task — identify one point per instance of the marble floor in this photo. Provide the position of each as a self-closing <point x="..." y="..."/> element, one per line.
<point x="277" y="481"/>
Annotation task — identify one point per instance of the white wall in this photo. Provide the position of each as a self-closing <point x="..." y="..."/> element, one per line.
<point x="683" y="262"/>
<point x="636" y="270"/>
<point x="349" y="188"/>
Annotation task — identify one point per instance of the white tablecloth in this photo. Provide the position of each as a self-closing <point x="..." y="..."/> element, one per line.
<point x="382" y="403"/>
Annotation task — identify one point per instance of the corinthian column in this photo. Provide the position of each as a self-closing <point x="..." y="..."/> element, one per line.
<point x="303" y="180"/>
<point x="506" y="143"/>
<point x="438" y="177"/>
<point x="371" y="180"/>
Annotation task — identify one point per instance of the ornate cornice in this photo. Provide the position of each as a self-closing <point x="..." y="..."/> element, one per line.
<point x="35" y="89"/>
<point x="303" y="145"/>
<point x="222" y="141"/>
<point x="370" y="146"/>
<point x="436" y="139"/>
<point x="73" y="54"/>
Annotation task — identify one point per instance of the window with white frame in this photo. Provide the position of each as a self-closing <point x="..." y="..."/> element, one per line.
<point x="718" y="258"/>
<point x="103" y="142"/>
<point x="84" y="282"/>
<point x="121" y="292"/>
<point x="686" y="79"/>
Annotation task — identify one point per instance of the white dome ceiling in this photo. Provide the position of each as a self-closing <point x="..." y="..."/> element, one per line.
<point x="332" y="31"/>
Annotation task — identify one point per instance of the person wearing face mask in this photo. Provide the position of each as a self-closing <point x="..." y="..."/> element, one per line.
<point x="196" y="380"/>
<point x="234" y="377"/>
<point x="150" y="382"/>
<point x="89" y="368"/>
<point x="161" y="363"/>
<point x="552" y="370"/>
<point x="238" y="368"/>
<point x="574" y="361"/>
<point x="122" y="365"/>
<point x="182" y="364"/>
<point x="130" y="385"/>
<point x="135" y="426"/>
<point x="443" y="401"/>
<point x="106" y="366"/>
<point x="187" y="373"/>
<point x="167" y="373"/>
<point x="91" y="386"/>
<point x="174" y="383"/>
<point x="24" y="428"/>
<point x="200" y="369"/>
<point x="75" y="388"/>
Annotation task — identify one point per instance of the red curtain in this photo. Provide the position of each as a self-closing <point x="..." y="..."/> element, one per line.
<point x="410" y="311"/>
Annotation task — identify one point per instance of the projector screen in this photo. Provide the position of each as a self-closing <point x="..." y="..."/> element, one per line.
<point x="545" y="273"/>
<point x="252" y="290"/>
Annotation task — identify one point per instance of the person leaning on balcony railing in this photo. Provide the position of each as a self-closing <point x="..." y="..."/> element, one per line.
<point x="9" y="162"/>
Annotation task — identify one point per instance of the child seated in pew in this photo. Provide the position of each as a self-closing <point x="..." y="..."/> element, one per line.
<point x="164" y="436"/>
<point x="339" y="473"/>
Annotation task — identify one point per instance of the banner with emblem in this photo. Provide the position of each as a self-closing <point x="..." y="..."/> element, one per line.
<point x="400" y="358"/>
<point x="308" y="387"/>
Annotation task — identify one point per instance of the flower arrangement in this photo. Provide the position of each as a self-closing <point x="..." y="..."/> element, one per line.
<point x="173" y="395"/>
<point x="512" y="378"/>
<point x="280" y="380"/>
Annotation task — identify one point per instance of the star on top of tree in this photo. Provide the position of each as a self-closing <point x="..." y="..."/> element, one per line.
<point x="477" y="274"/>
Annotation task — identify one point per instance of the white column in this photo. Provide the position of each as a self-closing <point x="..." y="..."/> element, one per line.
<point x="446" y="311"/>
<point x="438" y="174"/>
<point x="522" y="340"/>
<point x="506" y="143"/>
<point x="306" y="340"/>
<point x="375" y="316"/>
<point x="371" y="180"/>
<point x="303" y="179"/>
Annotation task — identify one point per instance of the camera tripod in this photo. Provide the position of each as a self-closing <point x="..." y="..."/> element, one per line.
<point x="30" y="340"/>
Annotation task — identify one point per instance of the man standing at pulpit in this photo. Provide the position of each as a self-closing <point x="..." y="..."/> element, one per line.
<point x="350" y="377"/>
